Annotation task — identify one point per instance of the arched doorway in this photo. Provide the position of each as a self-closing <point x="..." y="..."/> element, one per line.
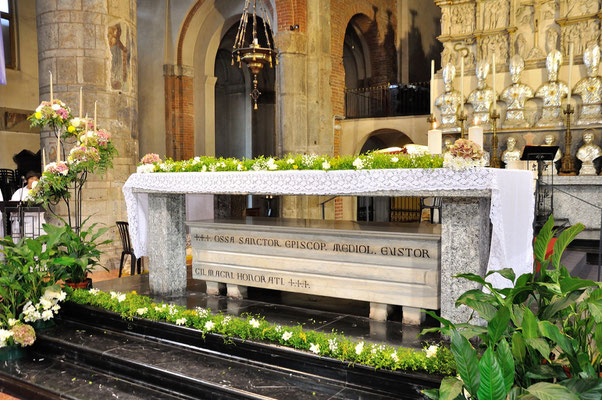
<point x="387" y="209"/>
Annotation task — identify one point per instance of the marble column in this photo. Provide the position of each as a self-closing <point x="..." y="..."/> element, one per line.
<point x="92" y="44"/>
<point x="465" y="242"/>
<point x="167" y="243"/>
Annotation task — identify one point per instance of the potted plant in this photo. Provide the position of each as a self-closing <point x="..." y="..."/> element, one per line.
<point x="76" y="253"/>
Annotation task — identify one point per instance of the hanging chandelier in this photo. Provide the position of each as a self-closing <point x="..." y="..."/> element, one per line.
<point x="247" y="47"/>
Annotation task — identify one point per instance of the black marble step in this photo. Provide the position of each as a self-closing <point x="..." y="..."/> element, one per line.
<point x="397" y="384"/>
<point x="44" y="378"/>
<point x="184" y="370"/>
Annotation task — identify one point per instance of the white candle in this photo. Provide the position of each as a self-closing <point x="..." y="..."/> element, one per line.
<point x="568" y="101"/>
<point x="435" y="140"/>
<point x="81" y="102"/>
<point x="494" y="92"/>
<point x="51" y="91"/>
<point x="94" y="115"/>
<point x="462" y="84"/>
<point x="43" y="160"/>
<point x="475" y="134"/>
<point x="432" y="84"/>
<point x="58" y="148"/>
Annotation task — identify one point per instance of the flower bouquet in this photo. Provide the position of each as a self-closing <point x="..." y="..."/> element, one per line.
<point x="464" y="154"/>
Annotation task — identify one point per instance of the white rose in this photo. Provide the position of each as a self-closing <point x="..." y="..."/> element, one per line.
<point x="287" y="335"/>
<point x="314" y="348"/>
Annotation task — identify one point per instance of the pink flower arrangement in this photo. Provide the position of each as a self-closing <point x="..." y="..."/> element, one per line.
<point x="466" y="149"/>
<point x="83" y="154"/>
<point x="57" y="168"/>
<point x="150" y="158"/>
<point x="50" y="110"/>
<point x="23" y="334"/>
<point x="103" y="137"/>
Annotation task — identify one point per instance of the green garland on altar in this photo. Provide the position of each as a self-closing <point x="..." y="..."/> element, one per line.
<point x="432" y="359"/>
<point x="373" y="160"/>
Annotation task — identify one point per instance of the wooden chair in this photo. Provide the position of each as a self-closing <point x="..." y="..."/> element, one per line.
<point x="124" y="233"/>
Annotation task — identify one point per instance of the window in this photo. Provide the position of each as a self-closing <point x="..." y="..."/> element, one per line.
<point x="7" y="24"/>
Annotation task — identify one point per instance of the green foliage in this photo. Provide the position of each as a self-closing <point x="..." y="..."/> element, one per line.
<point x="543" y="337"/>
<point x="437" y="360"/>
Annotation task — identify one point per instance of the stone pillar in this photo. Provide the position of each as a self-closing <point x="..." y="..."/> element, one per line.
<point x="465" y="241"/>
<point x="93" y="44"/>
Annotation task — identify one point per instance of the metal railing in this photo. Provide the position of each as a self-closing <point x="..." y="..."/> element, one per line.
<point x="387" y="100"/>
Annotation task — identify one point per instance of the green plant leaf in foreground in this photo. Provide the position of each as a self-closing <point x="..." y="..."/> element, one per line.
<point x="466" y="361"/>
<point x="550" y="391"/>
<point x="451" y="388"/>
<point x="492" y="386"/>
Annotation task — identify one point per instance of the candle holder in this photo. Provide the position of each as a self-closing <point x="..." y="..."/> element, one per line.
<point x="567" y="166"/>
<point x="495" y="160"/>
<point x="432" y="120"/>
<point x="462" y="117"/>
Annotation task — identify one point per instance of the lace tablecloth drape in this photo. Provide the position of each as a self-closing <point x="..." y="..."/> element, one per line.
<point x="512" y="198"/>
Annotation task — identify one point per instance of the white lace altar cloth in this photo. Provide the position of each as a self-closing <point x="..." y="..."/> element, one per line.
<point x="511" y="214"/>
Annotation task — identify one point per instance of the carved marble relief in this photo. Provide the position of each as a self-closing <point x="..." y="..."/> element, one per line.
<point x="582" y="34"/>
<point x="578" y="8"/>
<point x="494" y="14"/>
<point x="497" y="43"/>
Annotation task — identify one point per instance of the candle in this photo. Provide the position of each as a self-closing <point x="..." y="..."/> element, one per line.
<point x="95" y="115"/>
<point x="51" y="92"/>
<point x="475" y="134"/>
<point x="43" y="160"/>
<point x="435" y="139"/>
<point x="494" y="92"/>
<point x="58" y="148"/>
<point x="568" y="101"/>
<point x="81" y="102"/>
<point x="432" y="84"/>
<point x="462" y="84"/>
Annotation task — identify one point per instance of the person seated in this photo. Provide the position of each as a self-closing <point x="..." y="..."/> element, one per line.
<point x="32" y="221"/>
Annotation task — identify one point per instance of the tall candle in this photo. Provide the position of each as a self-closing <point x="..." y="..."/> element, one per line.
<point x="58" y="148"/>
<point x="475" y="134"/>
<point x="435" y="139"/>
<point x="51" y="91"/>
<point x="462" y="84"/>
<point x="568" y="101"/>
<point x="432" y="84"/>
<point x="94" y="115"/>
<point x="494" y="92"/>
<point x="81" y="102"/>
<point x="43" y="160"/>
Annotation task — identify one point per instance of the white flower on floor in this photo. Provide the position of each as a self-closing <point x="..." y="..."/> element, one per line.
<point x="314" y="348"/>
<point x="325" y="165"/>
<point x="12" y="321"/>
<point x="121" y="298"/>
<point x="202" y="312"/>
<point x="278" y="328"/>
<point x="46" y="315"/>
<point x="209" y="325"/>
<point x="226" y="320"/>
<point x="394" y="159"/>
<point x="142" y="311"/>
<point x="333" y="345"/>
<point x="287" y="335"/>
<point x="358" y="163"/>
<point x="431" y="351"/>
<point x="359" y="348"/>
<point x="4" y="335"/>
<point x="290" y="161"/>
<point x="181" y="321"/>
<point x="395" y="357"/>
<point x="254" y="323"/>
<point x="94" y="291"/>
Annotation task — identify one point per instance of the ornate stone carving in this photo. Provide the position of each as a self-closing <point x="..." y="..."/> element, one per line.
<point x="550" y="140"/>
<point x="577" y="8"/>
<point x="445" y="21"/>
<point x="482" y="97"/>
<point x="497" y="44"/>
<point x="590" y="89"/>
<point x="495" y="14"/>
<point x="588" y="153"/>
<point x="449" y="102"/>
<point x="511" y="153"/>
<point x="581" y="34"/>
<point x="515" y="96"/>
<point x="552" y="92"/>
<point x="462" y="19"/>
<point x="449" y="55"/>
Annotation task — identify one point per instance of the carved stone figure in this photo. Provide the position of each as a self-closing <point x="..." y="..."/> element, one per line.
<point x="581" y="7"/>
<point x="482" y="97"/>
<point x="511" y="153"/>
<point x="588" y="153"/>
<point x="449" y="56"/>
<point x="551" y="39"/>
<point x="448" y="143"/>
<point x="515" y="96"/>
<point x="445" y="21"/>
<point x="449" y="102"/>
<point x="552" y="92"/>
<point x="590" y="89"/>
<point x="520" y="45"/>
<point x="550" y="140"/>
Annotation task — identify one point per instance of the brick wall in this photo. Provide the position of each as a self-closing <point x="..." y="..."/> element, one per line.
<point x="179" y="116"/>
<point x="291" y="12"/>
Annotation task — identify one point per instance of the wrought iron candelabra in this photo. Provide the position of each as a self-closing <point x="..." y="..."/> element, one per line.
<point x="462" y="118"/>
<point x="567" y="166"/>
<point x="495" y="160"/>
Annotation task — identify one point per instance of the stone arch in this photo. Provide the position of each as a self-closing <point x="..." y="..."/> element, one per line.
<point x="382" y="139"/>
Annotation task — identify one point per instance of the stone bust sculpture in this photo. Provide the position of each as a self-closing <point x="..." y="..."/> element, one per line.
<point x="449" y="102"/>
<point x="550" y="140"/>
<point x="511" y="153"/>
<point x="588" y="153"/>
<point x="482" y="97"/>
<point x="516" y="95"/>
<point x="552" y="92"/>
<point x="590" y="89"/>
<point x="448" y="142"/>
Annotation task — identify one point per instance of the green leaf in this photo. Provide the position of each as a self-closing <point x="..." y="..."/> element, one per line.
<point x="546" y="234"/>
<point x="595" y="308"/>
<point x="598" y="337"/>
<point x="519" y="347"/>
<point x="476" y="295"/>
<point x="551" y="391"/>
<point x="565" y="238"/>
<point x="485" y="310"/>
<point x="551" y="286"/>
<point x="492" y="386"/>
<point x="540" y="345"/>
<point x="549" y="311"/>
<point x="498" y="325"/>
<point x="545" y="372"/>
<point x="553" y="333"/>
<point x="506" y="361"/>
<point x="466" y="361"/>
<point x="569" y="284"/>
<point x="432" y="394"/>
<point x="587" y="389"/>
<point x="507" y="273"/>
<point x="451" y="388"/>
<point x="529" y="325"/>
<point x="474" y="278"/>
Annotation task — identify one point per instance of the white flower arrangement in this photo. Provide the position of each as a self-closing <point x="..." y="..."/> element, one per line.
<point x="46" y="308"/>
<point x="209" y="325"/>
<point x="181" y="321"/>
<point x="145" y="168"/>
<point x="333" y="346"/>
<point x="431" y="351"/>
<point x="142" y="311"/>
<point x="359" y="348"/>
<point x="4" y="335"/>
<point x="358" y="163"/>
<point x="203" y="313"/>
<point x="226" y="320"/>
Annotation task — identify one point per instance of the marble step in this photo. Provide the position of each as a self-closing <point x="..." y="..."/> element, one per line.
<point x="185" y="370"/>
<point x="398" y="384"/>
<point x="46" y="378"/>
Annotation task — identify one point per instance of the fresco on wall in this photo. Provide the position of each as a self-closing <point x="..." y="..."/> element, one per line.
<point x="120" y="44"/>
